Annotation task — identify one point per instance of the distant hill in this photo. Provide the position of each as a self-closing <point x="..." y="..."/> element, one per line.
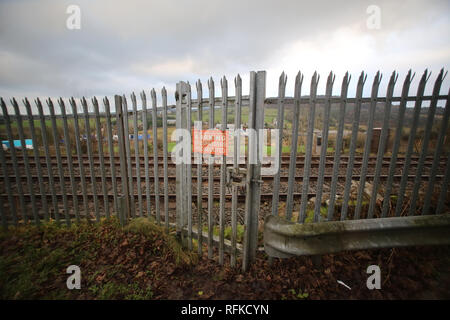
<point x="364" y="116"/>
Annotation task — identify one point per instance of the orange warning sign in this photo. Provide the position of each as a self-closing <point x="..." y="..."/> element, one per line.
<point x="212" y="141"/>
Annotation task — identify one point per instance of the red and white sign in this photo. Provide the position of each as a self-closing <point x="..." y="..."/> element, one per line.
<point x="211" y="141"/>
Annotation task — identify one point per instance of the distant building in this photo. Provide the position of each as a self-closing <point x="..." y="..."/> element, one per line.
<point x="17" y="144"/>
<point x="376" y="135"/>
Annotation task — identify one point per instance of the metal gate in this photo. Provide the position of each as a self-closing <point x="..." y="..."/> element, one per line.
<point x="318" y="226"/>
<point x="232" y="176"/>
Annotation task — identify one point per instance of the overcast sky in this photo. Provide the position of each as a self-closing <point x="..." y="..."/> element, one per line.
<point x="126" y="46"/>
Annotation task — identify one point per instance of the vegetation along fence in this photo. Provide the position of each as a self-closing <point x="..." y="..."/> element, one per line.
<point x="308" y="174"/>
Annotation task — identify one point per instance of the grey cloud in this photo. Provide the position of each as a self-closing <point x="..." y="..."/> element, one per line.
<point x="134" y="45"/>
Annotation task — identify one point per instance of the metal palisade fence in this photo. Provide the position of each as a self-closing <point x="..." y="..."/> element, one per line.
<point x="84" y="159"/>
<point x="307" y="174"/>
<point x="338" y="191"/>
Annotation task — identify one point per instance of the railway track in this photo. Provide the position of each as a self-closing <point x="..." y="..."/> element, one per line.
<point x="284" y="157"/>
<point x="171" y="196"/>
<point x="284" y="162"/>
<point x="216" y="178"/>
<point x="265" y="178"/>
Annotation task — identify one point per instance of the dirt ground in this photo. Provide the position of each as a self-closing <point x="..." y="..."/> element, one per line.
<point x="140" y="261"/>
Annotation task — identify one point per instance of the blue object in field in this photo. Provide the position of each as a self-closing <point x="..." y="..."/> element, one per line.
<point x="141" y="137"/>
<point x="18" y="144"/>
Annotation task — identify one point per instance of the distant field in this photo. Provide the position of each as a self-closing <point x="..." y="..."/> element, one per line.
<point x="270" y="115"/>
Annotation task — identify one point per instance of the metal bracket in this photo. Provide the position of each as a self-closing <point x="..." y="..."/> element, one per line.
<point x="236" y="176"/>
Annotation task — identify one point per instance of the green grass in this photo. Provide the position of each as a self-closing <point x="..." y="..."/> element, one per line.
<point x="301" y="149"/>
<point x="269" y="115"/>
<point x="298" y="295"/>
<point x="32" y="265"/>
<point x="170" y="146"/>
<point x="228" y="231"/>
<point x="285" y="149"/>
<point x="310" y="214"/>
<point x="148" y="227"/>
<point x="33" y="260"/>
<point x="128" y="291"/>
